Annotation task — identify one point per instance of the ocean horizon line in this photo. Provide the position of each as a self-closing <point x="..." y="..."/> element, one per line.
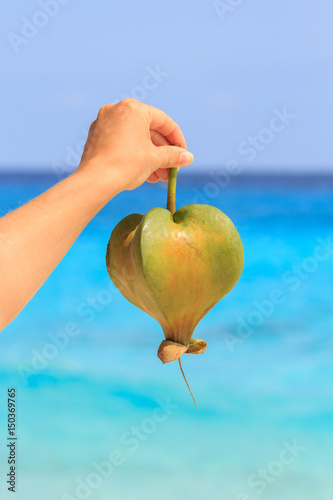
<point x="218" y="176"/>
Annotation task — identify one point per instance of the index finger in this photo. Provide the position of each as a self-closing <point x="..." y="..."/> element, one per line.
<point x="166" y="126"/>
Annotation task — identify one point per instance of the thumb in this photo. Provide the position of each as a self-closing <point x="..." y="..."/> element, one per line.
<point x="173" y="156"/>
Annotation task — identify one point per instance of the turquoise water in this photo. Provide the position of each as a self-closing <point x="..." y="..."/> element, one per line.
<point x="98" y="393"/>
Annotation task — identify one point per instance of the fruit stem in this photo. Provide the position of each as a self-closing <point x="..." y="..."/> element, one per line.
<point x="181" y="368"/>
<point x="171" y="200"/>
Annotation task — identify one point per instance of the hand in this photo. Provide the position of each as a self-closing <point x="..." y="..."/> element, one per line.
<point x="131" y="142"/>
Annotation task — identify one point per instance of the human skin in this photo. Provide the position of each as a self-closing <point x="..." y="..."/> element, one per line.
<point x="129" y="143"/>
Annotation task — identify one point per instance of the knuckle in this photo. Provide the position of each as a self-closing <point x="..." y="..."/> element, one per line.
<point x="105" y="109"/>
<point x="128" y="103"/>
<point x="92" y="126"/>
<point x="169" y="160"/>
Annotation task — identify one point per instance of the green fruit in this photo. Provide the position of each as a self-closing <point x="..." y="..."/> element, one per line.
<point x="176" y="267"/>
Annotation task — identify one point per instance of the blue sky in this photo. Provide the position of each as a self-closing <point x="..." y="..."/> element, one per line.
<point x="224" y="73"/>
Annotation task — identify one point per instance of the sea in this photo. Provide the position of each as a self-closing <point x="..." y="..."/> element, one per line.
<point x="99" y="417"/>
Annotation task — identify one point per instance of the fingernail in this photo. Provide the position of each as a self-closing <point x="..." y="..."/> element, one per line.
<point x="185" y="158"/>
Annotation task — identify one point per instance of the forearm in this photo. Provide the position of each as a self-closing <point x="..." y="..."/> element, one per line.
<point x="35" y="237"/>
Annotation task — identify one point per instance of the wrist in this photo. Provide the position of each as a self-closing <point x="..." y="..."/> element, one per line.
<point x="89" y="178"/>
